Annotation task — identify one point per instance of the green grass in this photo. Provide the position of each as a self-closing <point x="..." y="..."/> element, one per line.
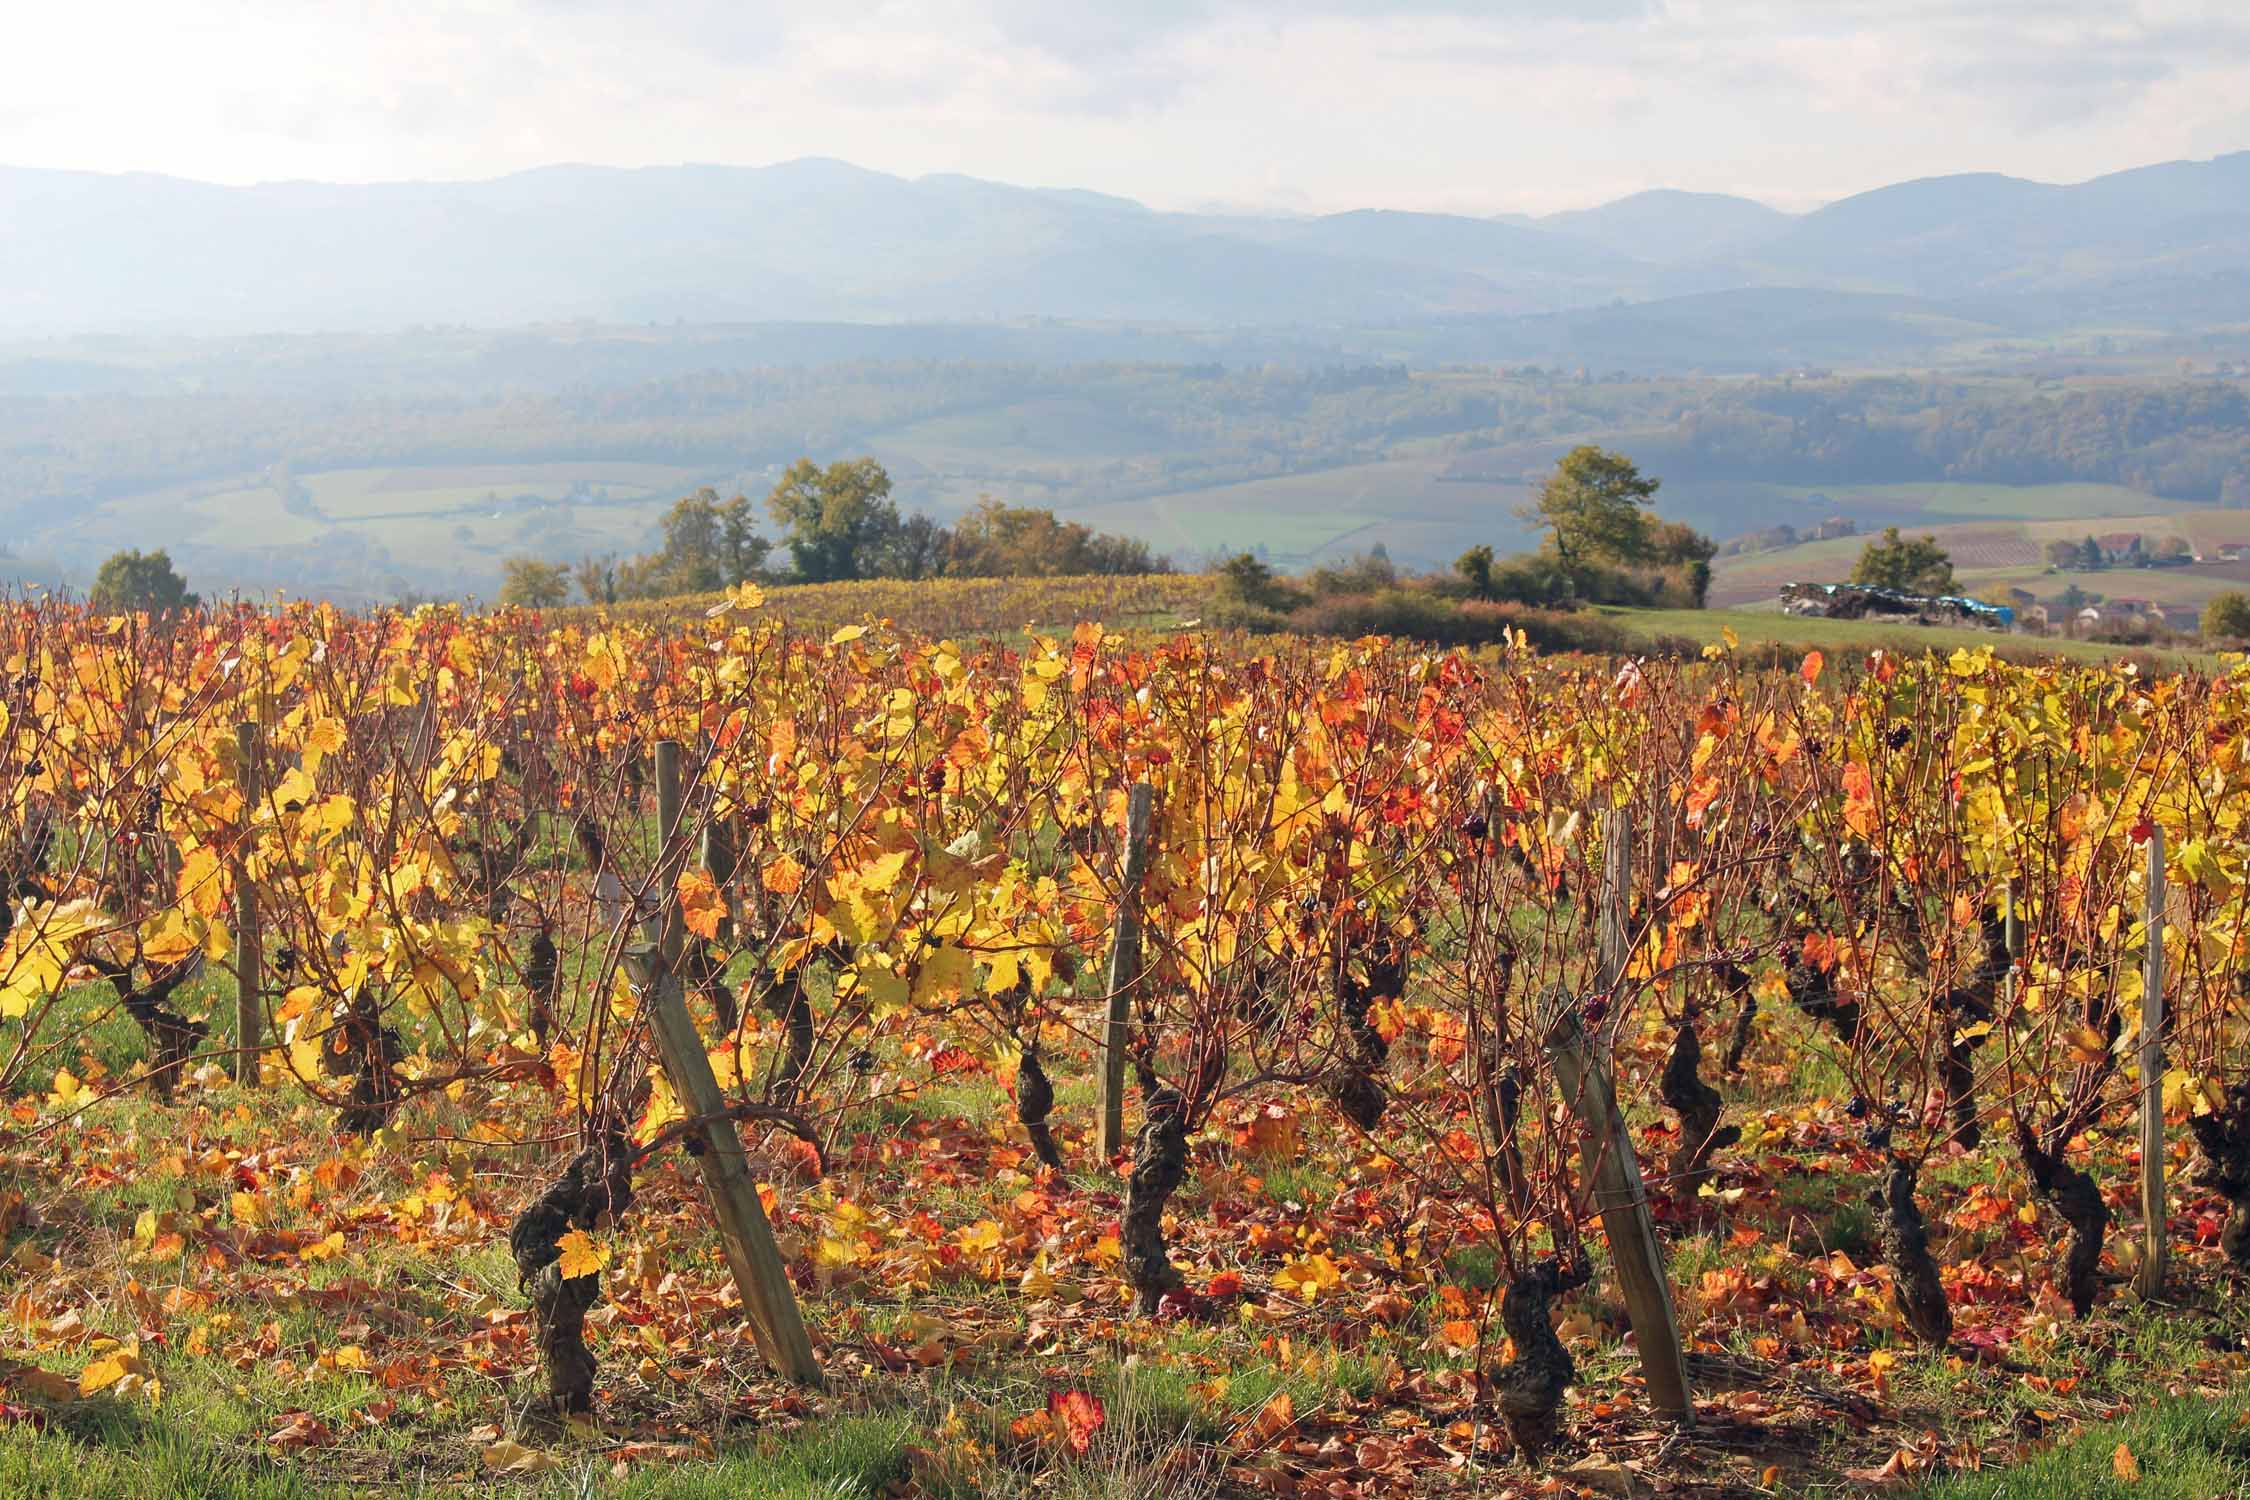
<point x="2186" y="1450"/>
<point x="2014" y="502"/>
<point x="1770" y="627"/>
<point x="1326" y="514"/>
<point x="111" y="1453"/>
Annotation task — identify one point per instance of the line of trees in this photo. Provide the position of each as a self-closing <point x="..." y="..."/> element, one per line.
<point x="837" y="523"/>
<point x="1604" y="545"/>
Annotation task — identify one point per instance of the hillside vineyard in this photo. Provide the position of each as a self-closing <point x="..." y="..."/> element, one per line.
<point x="424" y="905"/>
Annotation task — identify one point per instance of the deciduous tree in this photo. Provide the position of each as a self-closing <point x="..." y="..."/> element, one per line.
<point x="1595" y="508"/>
<point x="837" y="520"/>
<point x="1914" y="565"/>
<point x="140" y="580"/>
<point x="534" y="583"/>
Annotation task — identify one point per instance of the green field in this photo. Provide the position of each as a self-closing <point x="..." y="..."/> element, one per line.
<point x="1771" y="628"/>
<point x="1305" y="519"/>
<point x="2013" y="502"/>
<point x="1990" y="557"/>
<point x="364" y="534"/>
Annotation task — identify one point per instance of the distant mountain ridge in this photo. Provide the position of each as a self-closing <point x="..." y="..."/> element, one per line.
<point x="819" y="239"/>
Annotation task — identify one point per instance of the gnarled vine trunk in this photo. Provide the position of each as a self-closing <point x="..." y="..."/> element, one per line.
<point x="598" y="1182"/>
<point x="1160" y="1156"/>
<point x="1906" y="1250"/>
<point x="1967" y="1012"/>
<point x="1353" y="1083"/>
<point x="1739" y="1038"/>
<point x="1816" y="995"/>
<point x="1035" y="1100"/>
<point x="360" y="1047"/>
<point x="1529" y="1387"/>
<point x="1698" y="1105"/>
<point x="2222" y="1140"/>
<point x="172" y="1037"/>
<point x="1502" y="1099"/>
<point x="542" y="978"/>
<point x="785" y="999"/>
<point x="2074" y="1197"/>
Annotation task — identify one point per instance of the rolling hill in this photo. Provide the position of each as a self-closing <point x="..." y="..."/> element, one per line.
<point x="821" y="239"/>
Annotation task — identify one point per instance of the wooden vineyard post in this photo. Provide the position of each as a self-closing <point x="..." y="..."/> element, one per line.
<point x="1617" y="868"/>
<point x="2153" y="1214"/>
<point x="249" y="955"/>
<point x="2011" y="927"/>
<point x="1582" y="1070"/>
<point x="1124" y="970"/>
<point x="1586" y="1074"/>
<point x="743" y="1231"/>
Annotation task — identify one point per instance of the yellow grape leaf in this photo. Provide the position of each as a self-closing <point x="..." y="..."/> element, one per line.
<point x="1003" y="971"/>
<point x="580" y="1255"/>
<point x="110" y="1368"/>
<point x="304" y="1058"/>
<point x="510" y="1457"/>
<point x="165" y="939"/>
<point x="1309" y="1277"/>
<point x="942" y="975"/>
<point x="744" y="596"/>
<point x="68" y="1091"/>
<point x="327" y="817"/>
<point x="296" y="788"/>
<point x="885" y="992"/>
<point x="847" y="633"/>
<point x="325" y="737"/>
<point x="2088" y="1045"/>
<point x="198" y="875"/>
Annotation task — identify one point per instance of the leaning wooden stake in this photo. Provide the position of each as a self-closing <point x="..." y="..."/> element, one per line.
<point x="1583" y="1071"/>
<point x="1615" y="904"/>
<point x="249" y="954"/>
<point x="1124" y="971"/>
<point x="1587" y="1076"/>
<point x="747" y="1238"/>
<point x="2153" y="1213"/>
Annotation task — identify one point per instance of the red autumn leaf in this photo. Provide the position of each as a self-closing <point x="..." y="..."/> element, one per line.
<point x="1077" y="1415"/>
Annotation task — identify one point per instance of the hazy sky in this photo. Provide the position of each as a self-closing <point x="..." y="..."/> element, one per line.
<point x="1466" y="105"/>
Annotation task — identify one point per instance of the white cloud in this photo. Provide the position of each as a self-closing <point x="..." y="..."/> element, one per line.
<point x="1475" y="105"/>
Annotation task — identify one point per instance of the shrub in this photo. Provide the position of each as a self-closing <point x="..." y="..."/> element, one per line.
<point x="1430" y="617"/>
<point x="2227" y="616"/>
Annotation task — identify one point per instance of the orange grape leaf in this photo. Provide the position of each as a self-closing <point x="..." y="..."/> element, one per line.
<point x="784" y="875"/>
<point x="1276" y="1417"/>
<point x="701" y="905"/>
